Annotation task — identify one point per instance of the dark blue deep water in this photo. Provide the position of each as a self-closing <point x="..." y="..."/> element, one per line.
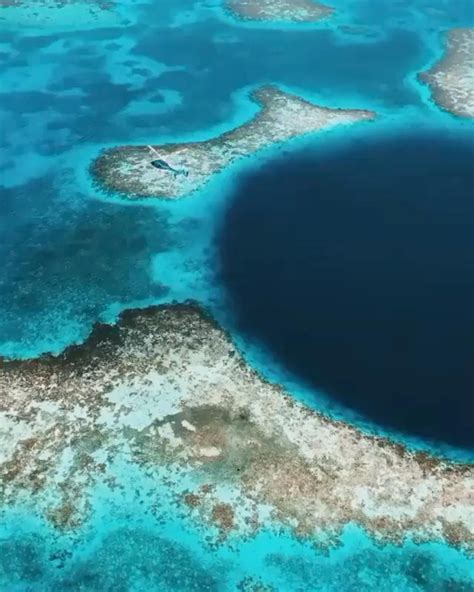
<point x="356" y="269"/>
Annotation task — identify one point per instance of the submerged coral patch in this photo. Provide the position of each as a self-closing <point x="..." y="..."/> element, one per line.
<point x="123" y="560"/>
<point x="60" y="273"/>
<point x="57" y="15"/>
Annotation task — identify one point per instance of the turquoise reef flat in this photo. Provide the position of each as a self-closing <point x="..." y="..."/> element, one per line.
<point x="171" y="451"/>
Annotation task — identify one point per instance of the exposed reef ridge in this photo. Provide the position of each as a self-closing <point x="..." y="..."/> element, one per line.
<point x="452" y="78"/>
<point x="292" y="11"/>
<point x="166" y="392"/>
<point x="128" y="170"/>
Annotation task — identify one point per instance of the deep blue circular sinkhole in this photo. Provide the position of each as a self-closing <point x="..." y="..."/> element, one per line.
<point x="356" y="269"/>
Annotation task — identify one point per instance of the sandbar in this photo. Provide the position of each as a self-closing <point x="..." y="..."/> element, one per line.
<point x="127" y="170"/>
<point x="451" y="79"/>
<point x="166" y="391"/>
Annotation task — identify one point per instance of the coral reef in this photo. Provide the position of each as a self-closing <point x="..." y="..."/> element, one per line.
<point x="128" y="170"/>
<point x="452" y="78"/>
<point x="166" y="392"/>
<point x="299" y="11"/>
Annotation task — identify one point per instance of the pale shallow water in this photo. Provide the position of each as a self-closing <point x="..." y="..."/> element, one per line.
<point x="152" y="71"/>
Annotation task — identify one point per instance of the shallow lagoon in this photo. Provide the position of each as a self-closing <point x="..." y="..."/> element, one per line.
<point x="71" y="258"/>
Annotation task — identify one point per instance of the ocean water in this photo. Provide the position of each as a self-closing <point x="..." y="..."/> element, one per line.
<point x="354" y="266"/>
<point x="149" y="71"/>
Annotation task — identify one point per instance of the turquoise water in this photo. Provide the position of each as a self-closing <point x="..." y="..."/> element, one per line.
<point x="133" y="556"/>
<point x="126" y="547"/>
<point x="167" y="71"/>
